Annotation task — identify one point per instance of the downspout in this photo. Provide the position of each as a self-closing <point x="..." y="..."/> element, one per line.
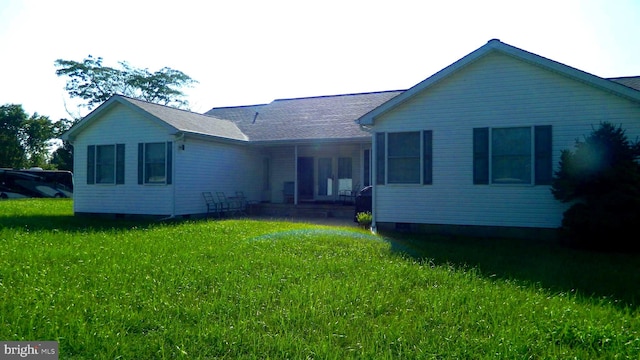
<point x="73" y="170"/>
<point x="174" y="153"/>
<point x="372" y="157"/>
<point x="295" y="176"/>
<point x="180" y="137"/>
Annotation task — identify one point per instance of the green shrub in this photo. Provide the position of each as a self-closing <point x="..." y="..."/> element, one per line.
<point x="364" y="219"/>
<point x="601" y="178"/>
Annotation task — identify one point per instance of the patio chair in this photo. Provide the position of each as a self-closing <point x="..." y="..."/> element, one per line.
<point x="232" y="206"/>
<point x="246" y="204"/>
<point x="213" y="207"/>
<point x="225" y="207"/>
<point x="347" y="196"/>
<point x="242" y="201"/>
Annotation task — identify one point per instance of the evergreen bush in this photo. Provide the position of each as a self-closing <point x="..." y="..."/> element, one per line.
<point x="601" y="179"/>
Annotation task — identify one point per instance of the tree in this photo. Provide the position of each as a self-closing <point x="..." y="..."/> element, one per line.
<point x="62" y="157"/>
<point x="38" y="131"/>
<point x="601" y="178"/>
<point x="12" y="154"/>
<point x="93" y="82"/>
<point x="24" y="139"/>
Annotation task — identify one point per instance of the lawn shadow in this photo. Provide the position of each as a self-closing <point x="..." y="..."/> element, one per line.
<point x="601" y="276"/>
<point x="71" y="223"/>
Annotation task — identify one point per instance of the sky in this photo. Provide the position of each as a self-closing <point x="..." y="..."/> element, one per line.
<point x="245" y="52"/>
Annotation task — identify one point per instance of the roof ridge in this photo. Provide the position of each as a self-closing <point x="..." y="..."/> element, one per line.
<point x="236" y="107"/>
<point x="156" y="104"/>
<point x="339" y="95"/>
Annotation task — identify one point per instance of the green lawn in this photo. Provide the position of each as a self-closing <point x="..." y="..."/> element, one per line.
<point x="255" y="289"/>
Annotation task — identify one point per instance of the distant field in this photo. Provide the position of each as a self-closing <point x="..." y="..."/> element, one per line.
<point x="233" y="289"/>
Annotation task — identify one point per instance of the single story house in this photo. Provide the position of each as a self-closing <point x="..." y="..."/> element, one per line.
<point x="474" y="147"/>
<point x="137" y="158"/>
<point x="471" y="148"/>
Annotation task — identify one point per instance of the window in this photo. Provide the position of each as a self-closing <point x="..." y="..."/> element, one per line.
<point x="105" y="164"/>
<point x="404" y="158"/>
<point x="154" y="163"/>
<point x="345" y="177"/>
<point x="517" y="155"/>
<point x="511" y="156"/>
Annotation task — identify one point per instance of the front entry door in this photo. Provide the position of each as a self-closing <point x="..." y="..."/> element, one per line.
<point x="305" y="178"/>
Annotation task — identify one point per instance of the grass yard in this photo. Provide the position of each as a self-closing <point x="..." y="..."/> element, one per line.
<point x="233" y="289"/>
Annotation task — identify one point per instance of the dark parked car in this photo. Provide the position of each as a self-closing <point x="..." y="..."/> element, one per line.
<point x="363" y="201"/>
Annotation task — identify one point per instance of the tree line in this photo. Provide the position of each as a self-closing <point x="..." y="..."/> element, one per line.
<point x="25" y="139"/>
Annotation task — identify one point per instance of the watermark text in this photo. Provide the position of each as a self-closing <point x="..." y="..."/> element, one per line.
<point x="32" y="350"/>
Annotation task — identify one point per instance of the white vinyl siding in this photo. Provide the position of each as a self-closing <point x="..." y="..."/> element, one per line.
<point x="128" y="198"/>
<point x="496" y="91"/>
<point x="216" y="167"/>
<point x="198" y="165"/>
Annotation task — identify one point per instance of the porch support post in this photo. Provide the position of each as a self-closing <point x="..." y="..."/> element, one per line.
<point x="295" y="177"/>
<point x="361" y="169"/>
<point x="374" y="171"/>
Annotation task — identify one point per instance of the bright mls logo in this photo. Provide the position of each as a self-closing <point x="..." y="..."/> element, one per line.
<point x="36" y="350"/>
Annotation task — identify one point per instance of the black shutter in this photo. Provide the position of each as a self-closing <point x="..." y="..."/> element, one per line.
<point x="481" y="156"/>
<point x="119" y="163"/>
<point x="380" y="157"/>
<point x="169" y="162"/>
<point x="140" y="163"/>
<point x="427" y="157"/>
<point x="542" y="147"/>
<point x="91" y="164"/>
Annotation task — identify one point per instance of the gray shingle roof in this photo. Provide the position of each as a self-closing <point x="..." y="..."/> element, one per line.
<point x="628" y="81"/>
<point x="191" y="122"/>
<point x="313" y="118"/>
<point x="322" y="117"/>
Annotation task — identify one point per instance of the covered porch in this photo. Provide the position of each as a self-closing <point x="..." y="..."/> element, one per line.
<point x="316" y="175"/>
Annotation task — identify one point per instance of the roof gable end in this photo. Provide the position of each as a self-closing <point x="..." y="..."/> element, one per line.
<point x="174" y="120"/>
<point x="495" y="45"/>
